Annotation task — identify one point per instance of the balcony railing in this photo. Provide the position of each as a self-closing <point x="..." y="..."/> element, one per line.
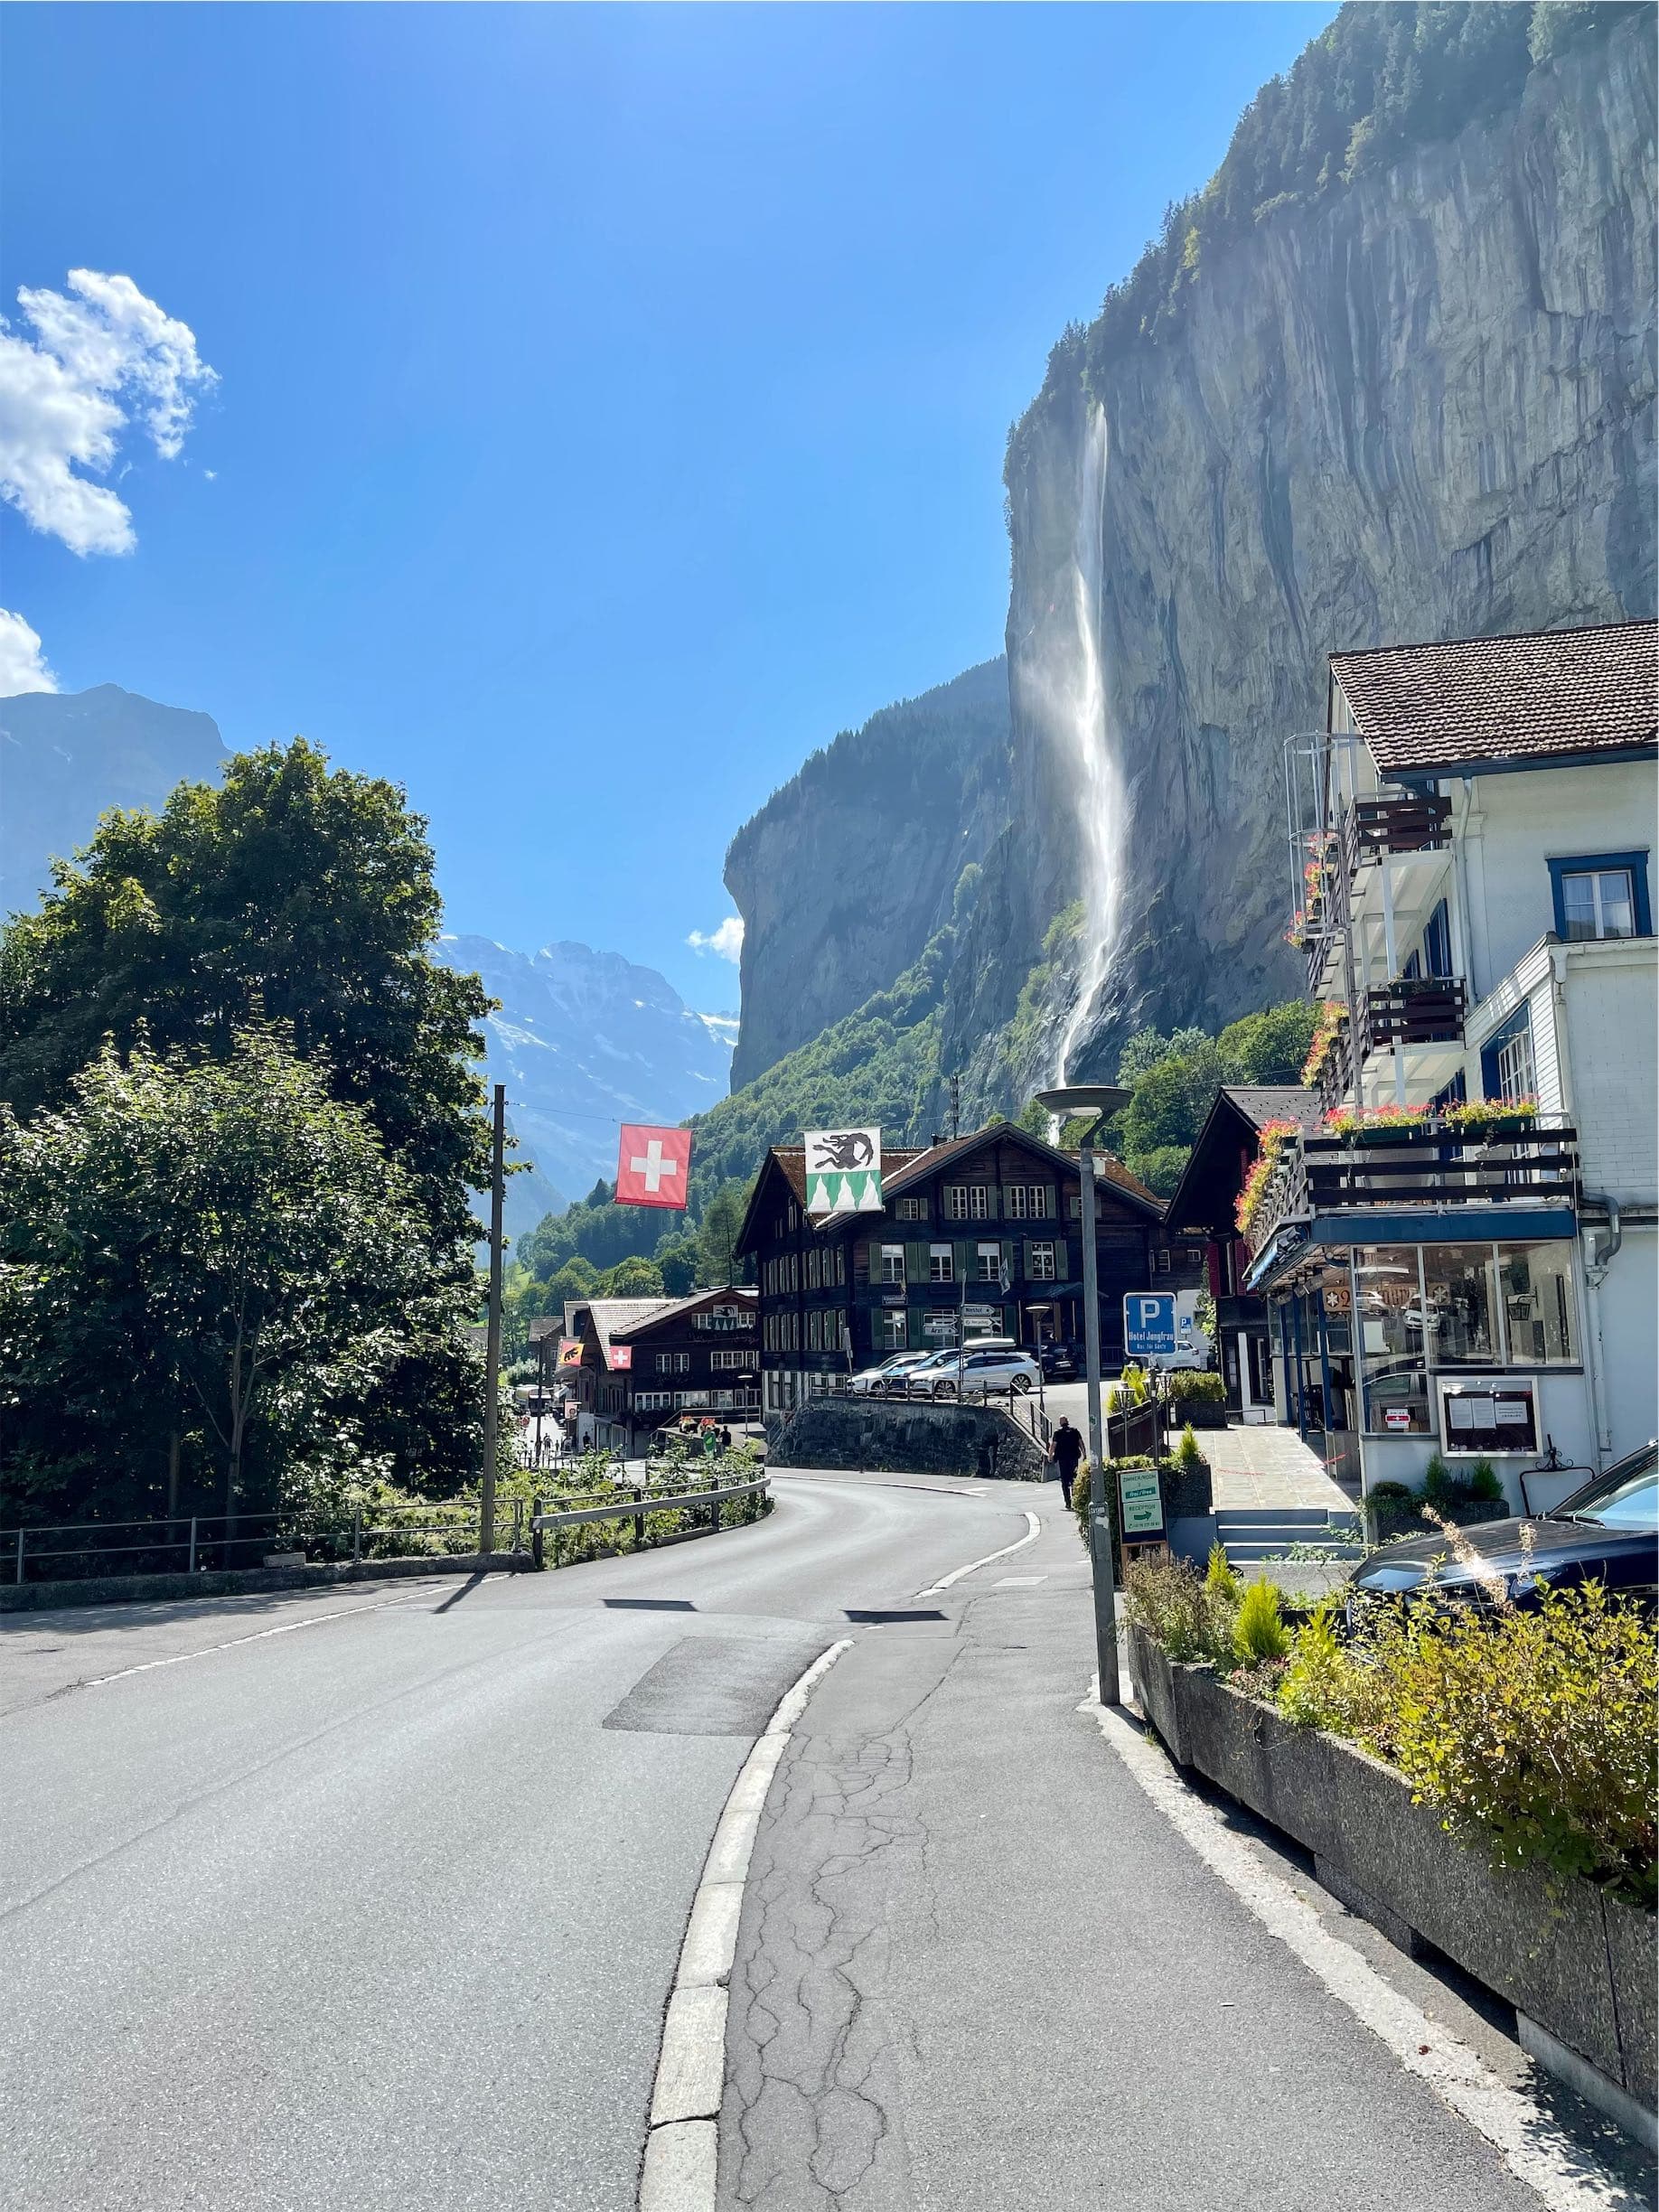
<point x="1428" y="1166"/>
<point x="1373" y="826"/>
<point x="1414" y="1010"/>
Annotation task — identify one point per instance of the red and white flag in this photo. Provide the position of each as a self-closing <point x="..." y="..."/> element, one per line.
<point x="652" y="1165"/>
<point x="621" y="1358"/>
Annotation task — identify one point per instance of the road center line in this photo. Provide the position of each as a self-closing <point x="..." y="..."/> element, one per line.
<point x="1034" y="1530"/>
<point x="1535" y="2149"/>
<point x="258" y="1636"/>
<point x="682" y="2146"/>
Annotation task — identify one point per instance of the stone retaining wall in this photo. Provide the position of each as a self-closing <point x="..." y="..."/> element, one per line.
<point x="893" y="1436"/>
<point x="1577" y="1962"/>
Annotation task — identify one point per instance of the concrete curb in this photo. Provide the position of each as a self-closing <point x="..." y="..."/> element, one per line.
<point x="682" y="2147"/>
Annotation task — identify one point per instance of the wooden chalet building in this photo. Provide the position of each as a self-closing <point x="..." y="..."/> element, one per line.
<point x="1202" y="1206"/>
<point x="962" y="1219"/>
<point x="646" y="1359"/>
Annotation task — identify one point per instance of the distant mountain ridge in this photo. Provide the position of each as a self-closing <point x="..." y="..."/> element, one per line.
<point x="67" y="756"/>
<point x="583" y="1041"/>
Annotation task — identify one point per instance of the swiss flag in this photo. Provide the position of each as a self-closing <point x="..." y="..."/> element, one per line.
<point x="652" y="1165"/>
<point x="622" y="1356"/>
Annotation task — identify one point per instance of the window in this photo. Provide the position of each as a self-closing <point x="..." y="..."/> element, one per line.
<point x="941" y="1263"/>
<point x="1016" y="1201"/>
<point x="1457" y="1319"/>
<point x="1517" y="1076"/>
<point x="1537" y="1303"/>
<point x="1029" y="1202"/>
<point x="891" y="1329"/>
<point x="1161" y="1258"/>
<point x="1040" y="1262"/>
<point x="792" y="1220"/>
<point x="727" y="1363"/>
<point x="1600" y="896"/>
<point x="893" y="1264"/>
<point x="1388" y="1325"/>
<point x="652" y="1401"/>
<point x="1436" y="942"/>
<point x="990" y="1263"/>
<point x="673" y="1362"/>
<point x="911" y="1209"/>
<point x="840" y="1267"/>
<point x="812" y="1268"/>
<point x="966" y="1202"/>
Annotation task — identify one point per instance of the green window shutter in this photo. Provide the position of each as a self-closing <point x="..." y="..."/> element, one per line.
<point x="1062" y="1259"/>
<point x="915" y="1262"/>
<point x="967" y="1256"/>
<point x="1025" y="1261"/>
<point x="912" y="1329"/>
<point x="1008" y="1267"/>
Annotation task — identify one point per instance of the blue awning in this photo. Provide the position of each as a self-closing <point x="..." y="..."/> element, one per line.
<point x="1336" y="1233"/>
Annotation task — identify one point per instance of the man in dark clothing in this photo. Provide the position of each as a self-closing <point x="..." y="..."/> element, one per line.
<point x="1066" y="1450"/>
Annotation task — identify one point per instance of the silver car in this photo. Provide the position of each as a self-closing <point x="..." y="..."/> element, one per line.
<point x="986" y="1372"/>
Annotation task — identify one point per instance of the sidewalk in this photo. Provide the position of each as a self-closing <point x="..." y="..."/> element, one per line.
<point x="980" y="1970"/>
<point x="1254" y="1470"/>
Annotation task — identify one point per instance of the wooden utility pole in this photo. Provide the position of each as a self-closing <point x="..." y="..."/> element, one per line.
<point x="493" y="1335"/>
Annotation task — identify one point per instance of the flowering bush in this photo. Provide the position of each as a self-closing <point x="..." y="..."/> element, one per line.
<point x="1349" y="1121"/>
<point x="1332" y="1019"/>
<point x="1476" y="1114"/>
<point x="1275" y="1136"/>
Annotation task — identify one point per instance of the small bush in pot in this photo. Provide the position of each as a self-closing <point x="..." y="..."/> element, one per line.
<point x="1257" y="1632"/>
<point x="1221" y="1581"/>
<point x="1483" y="1483"/>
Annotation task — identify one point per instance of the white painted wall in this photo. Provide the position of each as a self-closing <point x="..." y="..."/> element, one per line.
<point x="1518" y="824"/>
<point x="1628" y="1300"/>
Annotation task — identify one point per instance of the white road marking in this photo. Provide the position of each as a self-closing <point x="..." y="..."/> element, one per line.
<point x="1018" y="1581"/>
<point x="1535" y="2149"/>
<point x="1033" y="1531"/>
<point x="680" y="2150"/>
<point x="313" y="1620"/>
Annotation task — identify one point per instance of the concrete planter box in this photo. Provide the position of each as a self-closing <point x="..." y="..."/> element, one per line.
<point x="1579" y="1963"/>
<point x="1197" y="1413"/>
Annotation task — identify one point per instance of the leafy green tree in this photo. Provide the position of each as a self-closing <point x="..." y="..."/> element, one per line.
<point x="634" y="1278"/>
<point x="215" y="1248"/>
<point x="1268" y="1047"/>
<point x="290" y="893"/>
<point x="676" y="1256"/>
<point x="1147" y="1049"/>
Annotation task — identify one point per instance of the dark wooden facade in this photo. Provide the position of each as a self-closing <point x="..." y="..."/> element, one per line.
<point x="960" y="1221"/>
<point x="646" y="1361"/>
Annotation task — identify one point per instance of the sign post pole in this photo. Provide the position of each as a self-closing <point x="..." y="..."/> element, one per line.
<point x="1100" y="1500"/>
<point x="492" y="1339"/>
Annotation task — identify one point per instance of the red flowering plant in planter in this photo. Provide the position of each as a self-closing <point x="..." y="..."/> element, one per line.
<point x="1351" y="1121"/>
<point x="1328" y="1024"/>
<point x="1270" y="1147"/>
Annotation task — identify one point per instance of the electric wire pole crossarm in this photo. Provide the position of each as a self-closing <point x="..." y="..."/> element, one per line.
<point x="1097" y="1100"/>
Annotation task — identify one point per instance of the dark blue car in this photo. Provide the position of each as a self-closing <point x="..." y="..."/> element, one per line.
<point x="1607" y="1533"/>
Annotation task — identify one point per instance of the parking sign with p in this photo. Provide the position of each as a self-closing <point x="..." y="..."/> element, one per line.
<point x="1149" y="1325"/>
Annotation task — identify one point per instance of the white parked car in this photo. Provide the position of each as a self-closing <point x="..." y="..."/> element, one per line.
<point x="889" y="1375"/>
<point x="988" y="1372"/>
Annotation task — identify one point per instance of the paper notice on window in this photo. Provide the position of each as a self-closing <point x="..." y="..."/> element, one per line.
<point x="1465" y="1412"/>
<point x="1512" y="1412"/>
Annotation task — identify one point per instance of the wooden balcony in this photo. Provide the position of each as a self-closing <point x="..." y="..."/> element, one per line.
<point x="1418" y="1010"/>
<point x="1409" y="824"/>
<point x="1429" y="1168"/>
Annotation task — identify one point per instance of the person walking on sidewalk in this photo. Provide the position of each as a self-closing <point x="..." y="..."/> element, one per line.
<point x="1065" y="1449"/>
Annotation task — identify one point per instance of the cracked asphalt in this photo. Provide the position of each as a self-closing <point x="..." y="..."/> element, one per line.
<point x="383" y="1908"/>
<point x="978" y="1971"/>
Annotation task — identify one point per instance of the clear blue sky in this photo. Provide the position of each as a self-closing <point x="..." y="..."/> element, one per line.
<point x="611" y="401"/>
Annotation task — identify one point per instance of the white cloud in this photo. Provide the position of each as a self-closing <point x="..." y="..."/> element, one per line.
<point x="727" y="940"/>
<point x="102" y="358"/>
<point x="22" y="668"/>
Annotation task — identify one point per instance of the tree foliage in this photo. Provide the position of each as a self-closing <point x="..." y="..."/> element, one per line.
<point x="290" y="893"/>
<point x="207" y="1267"/>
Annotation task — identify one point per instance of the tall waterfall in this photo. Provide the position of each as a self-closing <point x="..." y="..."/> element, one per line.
<point x="1073" y="692"/>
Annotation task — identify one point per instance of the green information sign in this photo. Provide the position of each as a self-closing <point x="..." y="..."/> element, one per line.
<point x="1140" y="1502"/>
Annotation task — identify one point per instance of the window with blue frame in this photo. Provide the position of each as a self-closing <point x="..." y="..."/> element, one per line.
<point x="1599" y="896"/>
<point x="1436" y="942"/>
<point x="1507" y="1067"/>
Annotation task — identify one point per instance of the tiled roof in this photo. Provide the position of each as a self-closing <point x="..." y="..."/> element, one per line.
<point x="611" y="1317"/>
<point x="667" y="1309"/>
<point x="792" y="1159"/>
<point x="1260" y="1103"/>
<point x="1496" y="700"/>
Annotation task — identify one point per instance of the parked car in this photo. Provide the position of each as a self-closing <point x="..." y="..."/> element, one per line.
<point x="1607" y="1531"/>
<point x="984" y="1374"/>
<point x="889" y="1375"/>
<point x="1061" y="1361"/>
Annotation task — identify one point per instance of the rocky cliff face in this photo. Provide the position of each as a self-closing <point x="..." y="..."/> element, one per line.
<point x="847" y="871"/>
<point x="66" y="756"/>
<point x="1420" y="408"/>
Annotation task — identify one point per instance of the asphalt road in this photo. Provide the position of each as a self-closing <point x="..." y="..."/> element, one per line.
<point x="372" y="1897"/>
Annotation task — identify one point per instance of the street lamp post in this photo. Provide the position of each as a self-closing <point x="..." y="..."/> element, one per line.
<point x="1096" y="1099"/>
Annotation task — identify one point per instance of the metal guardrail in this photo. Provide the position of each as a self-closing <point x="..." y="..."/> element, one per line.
<point x="197" y="1537"/>
<point x="635" y="1509"/>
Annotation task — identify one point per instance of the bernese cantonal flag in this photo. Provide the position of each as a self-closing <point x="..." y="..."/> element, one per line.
<point x="652" y="1165"/>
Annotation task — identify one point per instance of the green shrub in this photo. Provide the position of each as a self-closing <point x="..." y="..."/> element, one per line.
<point x="1221" y="1580"/>
<point x="1439" y="1487"/>
<point x="1192" y="1383"/>
<point x="1188" y="1457"/>
<point x="1177" y="1608"/>
<point x="1257" y="1632"/>
<point x="1484" y="1482"/>
<point x="1532" y="1729"/>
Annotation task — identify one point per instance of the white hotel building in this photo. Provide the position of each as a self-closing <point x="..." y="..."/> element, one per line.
<point x="1476" y="827"/>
